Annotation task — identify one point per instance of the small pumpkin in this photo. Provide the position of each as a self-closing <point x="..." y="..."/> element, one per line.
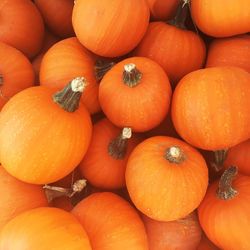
<point x="43" y="135"/>
<point x="44" y="228"/>
<point x="16" y="72"/>
<point x="116" y="26"/>
<point x="233" y="51"/>
<point x="206" y="105"/>
<point x="178" y="50"/>
<point x="135" y="93"/>
<point x="17" y="197"/>
<point x="182" y="234"/>
<point x="66" y="60"/>
<point x="57" y="15"/>
<point x="21" y="26"/>
<point x="104" y="163"/>
<point x="221" y="19"/>
<point x="111" y="222"/>
<point x="224" y="200"/>
<point x="166" y="178"/>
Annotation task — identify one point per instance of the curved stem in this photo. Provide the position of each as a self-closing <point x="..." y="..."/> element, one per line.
<point x="69" y="97"/>
<point x="131" y="75"/>
<point x="225" y="190"/>
<point x="101" y="68"/>
<point x="117" y="148"/>
<point x="175" y="154"/>
<point x="219" y="158"/>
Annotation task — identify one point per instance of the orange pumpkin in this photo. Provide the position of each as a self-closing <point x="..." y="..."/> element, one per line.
<point x="66" y="60"/>
<point x="206" y="244"/>
<point x="44" y="228"/>
<point x="135" y="93"/>
<point x="111" y="222"/>
<point x="225" y="199"/>
<point x="161" y="9"/>
<point x="239" y="156"/>
<point x="17" y="197"/>
<point x="233" y="51"/>
<point x="110" y="28"/>
<point x="166" y="178"/>
<point x="221" y="18"/>
<point x="178" y="50"/>
<point x="57" y="15"/>
<point x="105" y="161"/>
<point x="21" y="26"/>
<point x="211" y="107"/>
<point x="16" y="72"/>
<point x="182" y="234"/>
<point x="44" y="136"/>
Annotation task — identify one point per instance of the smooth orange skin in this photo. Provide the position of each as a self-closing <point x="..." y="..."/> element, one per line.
<point x="110" y="28"/>
<point x="16" y="70"/>
<point x="211" y="107"/>
<point x="206" y="244"/>
<point x="57" y="14"/>
<point x="39" y="141"/>
<point x="98" y="167"/>
<point x="221" y="18"/>
<point x="161" y="9"/>
<point x="163" y="190"/>
<point x="233" y="51"/>
<point x="21" y="26"/>
<point x="66" y="60"/>
<point x="42" y="229"/>
<point x="111" y="222"/>
<point x="17" y="197"/>
<point x="226" y="222"/>
<point x="142" y="107"/>
<point x="178" y="51"/>
<point x="239" y="156"/>
<point x="183" y="234"/>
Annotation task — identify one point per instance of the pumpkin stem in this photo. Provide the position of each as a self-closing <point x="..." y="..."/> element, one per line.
<point x="225" y="190"/>
<point x="131" y="75"/>
<point x="175" y="155"/>
<point x="69" y="97"/>
<point x="219" y="158"/>
<point x="101" y="68"/>
<point x="117" y="147"/>
<point x="181" y="15"/>
<point x="53" y="192"/>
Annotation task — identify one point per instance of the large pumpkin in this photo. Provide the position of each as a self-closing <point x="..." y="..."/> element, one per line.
<point x="44" y="136"/>
<point x="211" y="107"/>
<point x="110" y="27"/>
<point x="166" y="178"/>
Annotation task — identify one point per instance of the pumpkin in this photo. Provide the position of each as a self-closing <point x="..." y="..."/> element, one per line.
<point x="110" y="28"/>
<point x="57" y="15"/>
<point x="182" y="234"/>
<point x="178" y="50"/>
<point x="233" y="51"/>
<point x="49" y="40"/>
<point x="17" y="197"/>
<point x="21" y="26"/>
<point x="66" y="60"/>
<point x="44" y="136"/>
<point x="239" y="156"/>
<point x="221" y="18"/>
<point x="211" y="107"/>
<point x="224" y="199"/>
<point x="105" y="161"/>
<point x="111" y="222"/>
<point x="135" y="93"/>
<point x="16" y="72"/>
<point x="44" y="228"/>
<point x="161" y="9"/>
<point x="166" y="178"/>
<point x="206" y="244"/>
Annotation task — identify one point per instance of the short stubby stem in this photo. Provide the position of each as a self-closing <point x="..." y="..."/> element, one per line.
<point x="225" y="190"/>
<point x="131" y="75"/>
<point x="175" y="154"/>
<point x="102" y="67"/>
<point x="117" y="148"/>
<point x="219" y="158"/>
